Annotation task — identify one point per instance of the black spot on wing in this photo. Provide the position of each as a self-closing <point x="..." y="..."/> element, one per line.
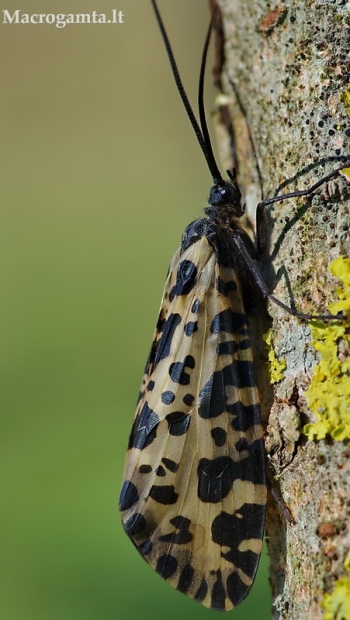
<point x="242" y="444"/>
<point x="170" y="464"/>
<point x="128" y="496"/>
<point x="230" y="530"/>
<point x="228" y="321"/>
<point x="218" y="594"/>
<point x="244" y="416"/>
<point x="164" y="494"/>
<point x="230" y="347"/>
<point x="150" y="386"/>
<point x="135" y="524"/>
<point x="190" y="328"/>
<point x="178" y="423"/>
<point x="183" y="535"/>
<point x="219" y="435"/>
<point x="212" y="401"/>
<point x="239" y="374"/>
<point x="160" y="471"/>
<point x="195" y="306"/>
<point x="188" y="399"/>
<point x="166" y="565"/>
<point x="186" y="578"/>
<point x="144" y="430"/>
<point x="202" y="591"/>
<point x="236" y="589"/>
<point x="185" y="279"/>
<point x="162" y="347"/>
<point x="227" y="348"/>
<point x="224" y="288"/>
<point x="146" y="547"/>
<point x="245" y="372"/>
<point x="178" y="373"/>
<point x="145" y="469"/>
<point x="216" y="477"/>
<point x="167" y="397"/>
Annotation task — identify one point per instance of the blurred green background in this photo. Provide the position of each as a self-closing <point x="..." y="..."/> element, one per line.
<point x="100" y="173"/>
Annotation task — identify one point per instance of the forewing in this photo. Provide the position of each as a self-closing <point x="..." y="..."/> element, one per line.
<point x="194" y="495"/>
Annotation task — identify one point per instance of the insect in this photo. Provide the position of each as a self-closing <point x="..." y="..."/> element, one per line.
<point x="194" y="494"/>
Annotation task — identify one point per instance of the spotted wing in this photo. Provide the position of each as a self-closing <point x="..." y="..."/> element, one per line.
<point x="193" y="500"/>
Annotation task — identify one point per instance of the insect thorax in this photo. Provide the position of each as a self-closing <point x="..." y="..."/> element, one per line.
<point x="220" y="227"/>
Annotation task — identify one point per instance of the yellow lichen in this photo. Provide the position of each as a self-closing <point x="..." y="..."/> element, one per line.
<point x="347" y="563"/>
<point x="329" y="391"/>
<point x="276" y="367"/>
<point x="345" y="98"/>
<point x="336" y="604"/>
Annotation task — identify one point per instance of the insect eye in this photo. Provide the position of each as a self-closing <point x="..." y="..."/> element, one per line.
<point x="225" y="194"/>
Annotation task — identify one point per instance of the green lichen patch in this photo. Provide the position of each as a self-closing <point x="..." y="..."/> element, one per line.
<point x="275" y="366"/>
<point x="329" y="391"/>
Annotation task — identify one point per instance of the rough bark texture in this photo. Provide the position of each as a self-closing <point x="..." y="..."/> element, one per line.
<point x="289" y="62"/>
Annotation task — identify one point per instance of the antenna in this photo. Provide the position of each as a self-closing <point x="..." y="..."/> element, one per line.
<point x="200" y="131"/>
<point x="203" y="121"/>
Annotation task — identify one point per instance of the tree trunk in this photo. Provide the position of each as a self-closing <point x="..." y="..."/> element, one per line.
<point x="284" y="69"/>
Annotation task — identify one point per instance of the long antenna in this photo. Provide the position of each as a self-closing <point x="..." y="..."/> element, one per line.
<point x="201" y="132"/>
<point x="203" y="121"/>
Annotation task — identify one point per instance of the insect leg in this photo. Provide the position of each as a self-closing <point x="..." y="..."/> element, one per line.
<point x="261" y="230"/>
<point x="250" y="264"/>
<point x="280" y="503"/>
<point x="261" y="218"/>
<point x="303" y="192"/>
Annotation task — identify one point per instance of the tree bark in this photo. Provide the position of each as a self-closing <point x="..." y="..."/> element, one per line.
<point x="283" y="68"/>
